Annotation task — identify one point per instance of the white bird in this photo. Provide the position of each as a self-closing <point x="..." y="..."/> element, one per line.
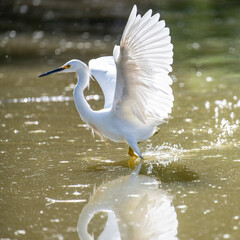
<point x="134" y="81"/>
<point x="136" y="209"/>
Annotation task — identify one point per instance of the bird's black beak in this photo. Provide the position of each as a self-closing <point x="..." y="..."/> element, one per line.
<point x="52" y="71"/>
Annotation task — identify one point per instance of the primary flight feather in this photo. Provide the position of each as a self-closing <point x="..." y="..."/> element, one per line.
<point x="134" y="81"/>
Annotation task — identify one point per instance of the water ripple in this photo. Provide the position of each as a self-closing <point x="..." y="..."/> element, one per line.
<point x="46" y="99"/>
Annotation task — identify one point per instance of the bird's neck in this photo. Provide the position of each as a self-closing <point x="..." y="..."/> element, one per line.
<point x="82" y="105"/>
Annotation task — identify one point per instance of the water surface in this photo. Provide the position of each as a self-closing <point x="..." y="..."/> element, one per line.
<point x="50" y="163"/>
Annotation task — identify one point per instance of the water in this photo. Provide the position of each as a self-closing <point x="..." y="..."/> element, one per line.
<point x="50" y="164"/>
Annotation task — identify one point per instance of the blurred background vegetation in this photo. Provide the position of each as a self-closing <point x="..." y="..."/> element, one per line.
<point x="32" y="29"/>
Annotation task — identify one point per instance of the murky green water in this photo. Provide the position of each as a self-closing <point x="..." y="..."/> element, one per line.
<point x="50" y="164"/>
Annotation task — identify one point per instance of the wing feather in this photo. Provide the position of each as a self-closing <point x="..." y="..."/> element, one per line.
<point x="137" y="23"/>
<point x="143" y="62"/>
<point x="104" y="71"/>
<point x="130" y="22"/>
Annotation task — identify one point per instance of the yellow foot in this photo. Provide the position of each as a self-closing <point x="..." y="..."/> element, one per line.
<point x="134" y="159"/>
<point x="131" y="153"/>
<point x="133" y="162"/>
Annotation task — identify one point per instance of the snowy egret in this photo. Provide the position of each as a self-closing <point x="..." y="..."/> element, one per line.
<point x="136" y="209"/>
<point x="134" y="81"/>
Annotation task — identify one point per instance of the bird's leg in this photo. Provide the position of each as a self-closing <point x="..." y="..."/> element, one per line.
<point x="106" y="142"/>
<point x="134" y="147"/>
<point x="157" y="131"/>
<point x="134" y="159"/>
<point x="131" y="152"/>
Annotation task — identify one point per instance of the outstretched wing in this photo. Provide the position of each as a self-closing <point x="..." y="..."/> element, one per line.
<point x="143" y="62"/>
<point x="104" y="71"/>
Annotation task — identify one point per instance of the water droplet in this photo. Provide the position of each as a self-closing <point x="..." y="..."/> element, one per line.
<point x="23" y="9"/>
<point x="36" y="2"/>
<point x="57" y="51"/>
<point x="38" y="34"/>
<point x="20" y="232"/>
<point x="85" y="35"/>
<point x="207" y="104"/>
<point x="226" y="236"/>
<point x="195" y="45"/>
<point x="12" y="34"/>
<point x="8" y="115"/>
<point x="206" y="211"/>
<point x="209" y="79"/>
<point x="198" y="74"/>
<point x="76" y="193"/>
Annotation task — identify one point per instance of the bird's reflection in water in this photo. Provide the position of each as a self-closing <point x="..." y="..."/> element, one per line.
<point x="136" y="209"/>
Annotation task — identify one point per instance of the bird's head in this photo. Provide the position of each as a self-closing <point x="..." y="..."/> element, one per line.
<point x="70" y="66"/>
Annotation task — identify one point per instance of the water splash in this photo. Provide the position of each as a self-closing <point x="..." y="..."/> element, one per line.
<point x="226" y="122"/>
<point x="162" y="155"/>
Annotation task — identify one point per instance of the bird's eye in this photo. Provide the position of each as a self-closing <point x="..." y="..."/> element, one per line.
<point x="67" y="66"/>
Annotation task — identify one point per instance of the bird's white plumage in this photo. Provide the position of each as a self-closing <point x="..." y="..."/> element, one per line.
<point x="104" y="71"/>
<point x="135" y="82"/>
<point x="137" y="209"/>
<point x="143" y="63"/>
